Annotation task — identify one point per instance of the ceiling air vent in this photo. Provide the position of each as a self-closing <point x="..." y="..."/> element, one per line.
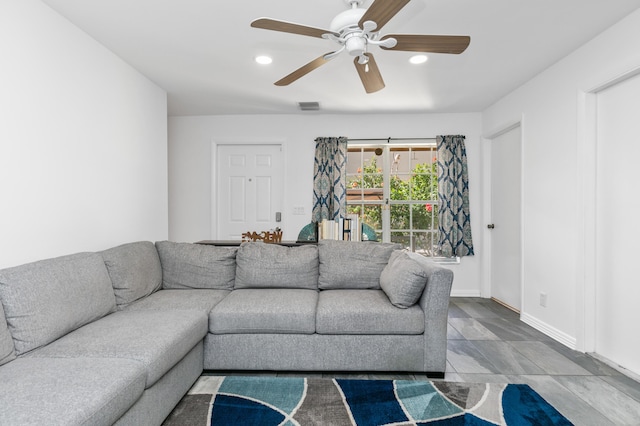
<point x="309" y="106"/>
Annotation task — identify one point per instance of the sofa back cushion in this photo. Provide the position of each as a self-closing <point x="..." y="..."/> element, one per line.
<point x="186" y="265"/>
<point x="403" y="279"/>
<point x="352" y="264"/>
<point x="135" y="271"/>
<point x="7" y="352"/>
<point x="47" y="299"/>
<point x="262" y="265"/>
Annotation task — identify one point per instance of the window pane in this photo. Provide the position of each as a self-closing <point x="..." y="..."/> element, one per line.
<point x="424" y="243"/>
<point x="372" y="215"/>
<point x="400" y="216"/>
<point x="399" y="188"/>
<point x="424" y="216"/>
<point x="424" y="182"/>
<point x="401" y="238"/>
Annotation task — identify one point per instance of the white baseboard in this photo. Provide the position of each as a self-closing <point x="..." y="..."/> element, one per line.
<point x="465" y="293"/>
<point x="550" y="331"/>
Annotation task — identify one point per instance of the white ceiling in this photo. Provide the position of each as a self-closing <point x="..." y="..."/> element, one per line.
<point x="202" y="52"/>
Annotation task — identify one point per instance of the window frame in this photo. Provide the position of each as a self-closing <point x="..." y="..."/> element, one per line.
<point x="388" y="146"/>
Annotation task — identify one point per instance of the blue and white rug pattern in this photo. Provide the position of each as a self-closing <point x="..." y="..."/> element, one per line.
<point x="241" y="400"/>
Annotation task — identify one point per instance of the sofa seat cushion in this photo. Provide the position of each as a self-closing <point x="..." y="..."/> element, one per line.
<point x="68" y="391"/>
<point x="194" y="299"/>
<point x="7" y="352"/>
<point x="135" y="271"/>
<point x="265" y="311"/>
<point x="47" y="299"/>
<point x="186" y="265"/>
<point x="365" y="312"/>
<point x="157" y="339"/>
<point x="352" y="264"/>
<point x="262" y="265"/>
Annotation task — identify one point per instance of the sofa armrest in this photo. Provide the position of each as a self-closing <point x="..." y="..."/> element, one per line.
<point x="435" y="305"/>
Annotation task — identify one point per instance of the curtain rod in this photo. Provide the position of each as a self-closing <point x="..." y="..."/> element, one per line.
<point x="390" y="139"/>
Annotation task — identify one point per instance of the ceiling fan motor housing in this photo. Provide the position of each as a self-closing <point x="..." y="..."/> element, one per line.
<point x="347" y="20"/>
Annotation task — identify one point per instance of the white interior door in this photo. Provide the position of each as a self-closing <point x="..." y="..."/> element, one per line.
<point x="249" y="188"/>
<point x="617" y="203"/>
<point x="506" y="256"/>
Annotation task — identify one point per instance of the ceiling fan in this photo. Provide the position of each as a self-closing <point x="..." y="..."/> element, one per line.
<point x="355" y="30"/>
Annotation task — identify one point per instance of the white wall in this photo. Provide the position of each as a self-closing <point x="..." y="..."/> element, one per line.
<point x="83" y="153"/>
<point x="555" y="138"/>
<point x="191" y="139"/>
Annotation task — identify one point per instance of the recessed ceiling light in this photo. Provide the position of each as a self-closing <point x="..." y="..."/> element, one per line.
<point x="418" y="59"/>
<point x="263" y="60"/>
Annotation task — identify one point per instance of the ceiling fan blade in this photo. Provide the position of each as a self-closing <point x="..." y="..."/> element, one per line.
<point x="381" y="11"/>
<point x="369" y="74"/>
<point x="303" y="70"/>
<point x="429" y="43"/>
<point x="289" y="27"/>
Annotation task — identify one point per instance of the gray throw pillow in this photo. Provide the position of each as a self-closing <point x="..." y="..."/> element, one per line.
<point x="135" y="271"/>
<point x="261" y="265"/>
<point x="186" y="265"/>
<point x="403" y="280"/>
<point x="47" y="299"/>
<point x="352" y="264"/>
<point x="7" y="352"/>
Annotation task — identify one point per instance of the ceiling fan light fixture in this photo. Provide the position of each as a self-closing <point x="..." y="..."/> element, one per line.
<point x="418" y="59"/>
<point x="263" y="59"/>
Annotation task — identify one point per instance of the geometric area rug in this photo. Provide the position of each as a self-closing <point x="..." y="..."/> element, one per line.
<point x="296" y="401"/>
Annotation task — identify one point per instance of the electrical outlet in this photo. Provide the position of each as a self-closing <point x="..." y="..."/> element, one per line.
<point x="298" y="210"/>
<point x="543" y="300"/>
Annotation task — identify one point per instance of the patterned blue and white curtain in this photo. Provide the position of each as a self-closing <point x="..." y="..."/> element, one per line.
<point x="454" y="221"/>
<point x="329" y="179"/>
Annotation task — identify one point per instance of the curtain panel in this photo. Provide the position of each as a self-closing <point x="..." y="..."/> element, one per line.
<point x="329" y="179"/>
<point x="454" y="220"/>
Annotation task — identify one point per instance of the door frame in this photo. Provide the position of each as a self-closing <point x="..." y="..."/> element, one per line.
<point x="487" y="210"/>
<point x="586" y="253"/>
<point x="213" y="176"/>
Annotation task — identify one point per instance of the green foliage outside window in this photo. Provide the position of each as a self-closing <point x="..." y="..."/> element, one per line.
<point x="413" y="203"/>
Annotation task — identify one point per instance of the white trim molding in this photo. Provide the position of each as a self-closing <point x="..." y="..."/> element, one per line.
<point x="465" y="293"/>
<point x="550" y="331"/>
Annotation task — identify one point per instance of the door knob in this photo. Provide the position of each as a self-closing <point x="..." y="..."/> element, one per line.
<point x="491" y="226"/>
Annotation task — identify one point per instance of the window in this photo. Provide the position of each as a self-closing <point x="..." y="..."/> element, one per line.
<point x="394" y="189"/>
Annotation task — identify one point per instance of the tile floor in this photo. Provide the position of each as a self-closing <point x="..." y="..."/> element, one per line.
<point x="489" y="343"/>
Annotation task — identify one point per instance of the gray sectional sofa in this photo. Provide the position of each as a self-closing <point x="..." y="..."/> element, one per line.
<point x="119" y="336"/>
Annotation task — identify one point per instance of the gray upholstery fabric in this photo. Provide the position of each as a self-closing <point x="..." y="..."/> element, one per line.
<point x="265" y="311"/>
<point x="352" y="264"/>
<point x="194" y="299"/>
<point x="403" y="279"/>
<point x="135" y="271"/>
<point x="7" y="352"/>
<point x="435" y="305"/>
<point x="316" y="352"/>
<point x="156" y="339"/>
<point x="261" y="265"/>
<point x="365" y="312"/>
<point x="49" y="298"/>
<point x="56" y="391"/>
<point x="187" y="265"/>
<point x="158" y="401"/>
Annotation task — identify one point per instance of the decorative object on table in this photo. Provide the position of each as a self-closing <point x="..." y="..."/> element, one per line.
<point x="236" y="400"/>
<point x="368" y="233"/>
<point x="264" y="236"/>
<point x="309" y="232"/>
<point x="330" y="230"/>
